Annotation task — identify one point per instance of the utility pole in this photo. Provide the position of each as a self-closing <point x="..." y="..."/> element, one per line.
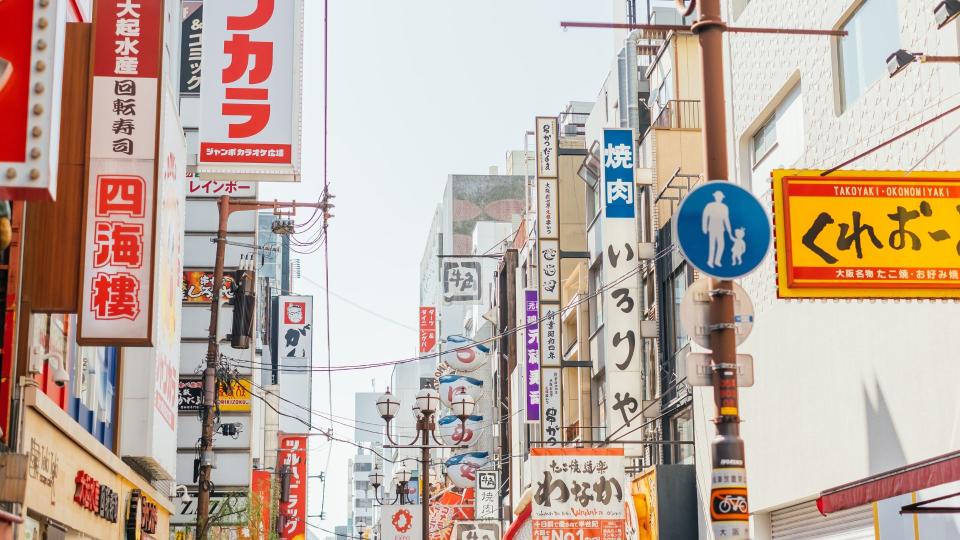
<point x="727" y="448"/>
<point x="226" y="207"/>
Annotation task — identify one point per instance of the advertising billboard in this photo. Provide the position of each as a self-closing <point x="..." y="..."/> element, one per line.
<point x="250" y="90"/>
<point x="867" y="234"/>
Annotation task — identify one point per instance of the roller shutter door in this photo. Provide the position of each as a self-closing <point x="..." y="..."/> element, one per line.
<point x="804" y="522"/>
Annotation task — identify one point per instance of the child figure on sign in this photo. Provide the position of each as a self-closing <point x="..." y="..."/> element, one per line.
<point x="739" y="246"/>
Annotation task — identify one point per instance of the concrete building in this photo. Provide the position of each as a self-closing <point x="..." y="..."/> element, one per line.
<point x="845" y="389"/>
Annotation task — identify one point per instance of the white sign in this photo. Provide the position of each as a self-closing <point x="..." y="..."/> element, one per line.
<point x="579" y="491"/>
<point x="231" y="506"/>
<point x="462" y="281"/>
<point x="695" y="312"/>
<point x="453" y="432"/>
<point x="218" y="188"/>
<point x="475" y="530"/>
<point x="401" y="522"/>
<point x="295" y="327"/>
<point x="250" y="90"/>
<point x="700" y="370"/>
<point x="487" y="495"/>
<point x="118" y="273"/>
<point x="547" y="215"/>
<point x="552" y="408"/>
<point x="622" y="343"/>
<point x="549" y="271"/>
<point x="546" y="147"/>
<point x="550" y="354"/>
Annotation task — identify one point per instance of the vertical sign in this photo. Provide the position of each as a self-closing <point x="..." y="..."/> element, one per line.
<point x="462" y="280"/>
<point x="191" y="46"/>
<point x="30" y="98"/>
<point x="118" y="272"/>
<point x="428" y="329"/>
<point x="293" y="454"/>
<point x="532" y="371"/>
<point x="487" y="493"/>
<point x="550" y="277"/>
<point x="250" y="90"/>
<point x="401" y="522"/>
<point x="621" y="298"/>
<point x="261" y="485"/>
<point x="295" y="328"/>
<point x="578" y="493"/>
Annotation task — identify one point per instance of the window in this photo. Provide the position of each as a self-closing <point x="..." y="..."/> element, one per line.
<point x="682" y="428"/>
<point x="872" y="33"/>
<point x="362" y="467"/>
<point x="763" y="140"/>
<point x="596" y="300"/>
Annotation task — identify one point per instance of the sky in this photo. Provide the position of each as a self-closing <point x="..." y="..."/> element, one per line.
<point x="417" y="91"/>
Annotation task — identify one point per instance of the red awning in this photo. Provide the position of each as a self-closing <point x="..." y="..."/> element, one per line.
<point x="925" y="474"/>
<point x="517" y="523"/>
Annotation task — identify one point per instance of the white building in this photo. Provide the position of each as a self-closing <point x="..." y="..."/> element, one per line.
<point x="844" y="389"/>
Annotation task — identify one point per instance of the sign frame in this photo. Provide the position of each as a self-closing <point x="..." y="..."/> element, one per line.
<point x="789" y="287"/>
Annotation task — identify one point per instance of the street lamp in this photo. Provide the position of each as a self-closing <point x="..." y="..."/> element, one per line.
<point x="946" y="11"/>
<point x="425" y="407"/>
<point x="400" y="480"/>
<point x="900" y="59"/>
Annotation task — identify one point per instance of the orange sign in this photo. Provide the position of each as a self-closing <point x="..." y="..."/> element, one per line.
<point x="867" y="234"/>
<point x="198" y="287"/>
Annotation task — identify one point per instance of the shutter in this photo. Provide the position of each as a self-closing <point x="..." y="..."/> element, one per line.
<point x="804" y="522"/>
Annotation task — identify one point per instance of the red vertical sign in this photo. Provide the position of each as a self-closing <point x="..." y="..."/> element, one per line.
<point x="260" y="486"/>
<point x="428" y="329"/>
<point x="293" y="454"/>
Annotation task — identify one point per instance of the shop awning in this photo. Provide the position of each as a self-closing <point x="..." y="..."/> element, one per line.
<point x="925" y="474"/>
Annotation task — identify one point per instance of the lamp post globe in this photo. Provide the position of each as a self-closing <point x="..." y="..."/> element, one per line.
<point x="416" y="410"/>
<point x="387" y="406"/>
<point x="462" y="406"/>
<point x="376" y="478"/>
<point x="429" y="400"/>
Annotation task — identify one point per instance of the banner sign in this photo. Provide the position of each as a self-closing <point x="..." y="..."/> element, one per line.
<point x="213" y="189"/>
<point x="618" y="173"/>
<point x="867" y="234"/>
<point x="190" y="396"/>
<point x="231" y="505"/>
<point x="462" y="280"/>
<point x="577" y="493"/>
<point x="547" y="147"/>
<point x="487" y="495"/>
<point x="250" y="90"/>
<point x="235" y="398"/>
<point x="552" y="407"/>
<point x="197" y="287"/>
<point x="30" y="98"/>
<point x="548" y="223"/>
<point x="117" y="303"/>
<point x="621" y="298"/>
<point x="428" y="329"/>
<point x="476" y="530"/>
<point x="532" y="364"/>
<point x="295" y="327"/>
<point x="191" y="46"/>
<point x="401" y="522"/>
<point x="549" y="270"/>
<point x="293" y="454"/>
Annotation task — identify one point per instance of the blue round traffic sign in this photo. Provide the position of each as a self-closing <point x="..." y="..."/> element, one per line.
<point x="722" y="230"/>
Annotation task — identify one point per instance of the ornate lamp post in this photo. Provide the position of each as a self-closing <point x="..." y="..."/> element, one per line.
<point x="426" y="406"/>
<point x="400" y="480"/>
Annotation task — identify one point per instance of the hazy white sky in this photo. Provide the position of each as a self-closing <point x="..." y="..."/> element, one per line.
<point x="418" y="90"/>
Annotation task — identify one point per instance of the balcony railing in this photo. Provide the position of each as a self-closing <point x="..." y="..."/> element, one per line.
<point x="679" y="114"/>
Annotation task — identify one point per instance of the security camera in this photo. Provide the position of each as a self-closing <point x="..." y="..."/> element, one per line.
<point x="181" y="492"/>
<point x="57" y="368"/>
<point x="60" y="375"/>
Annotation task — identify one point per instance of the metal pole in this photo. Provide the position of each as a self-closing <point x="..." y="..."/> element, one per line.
<point x="425" y="463"/>
<point x="209" y="375"/>
<point x="728" y="482"/>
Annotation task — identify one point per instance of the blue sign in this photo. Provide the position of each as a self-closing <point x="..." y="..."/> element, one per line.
<point x="722" y="230"/>
<point x="618" y="174"/>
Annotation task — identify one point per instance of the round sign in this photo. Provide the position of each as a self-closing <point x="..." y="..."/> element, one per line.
<point x="722" y="230"/>
<point x="453" y="432"/>
<point x="462" y="468"/>
<point x="695" y="312"/>
<point x="453" y="385"/>
<point x="466" y="359"/>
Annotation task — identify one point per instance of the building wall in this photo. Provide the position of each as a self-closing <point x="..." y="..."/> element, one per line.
<point x="885" y="388"/>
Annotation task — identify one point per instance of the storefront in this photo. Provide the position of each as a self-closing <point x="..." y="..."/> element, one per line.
<point x="77" y="488"/>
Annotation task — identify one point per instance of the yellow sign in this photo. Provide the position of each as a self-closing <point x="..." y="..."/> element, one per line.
<point x="643" y="489"/>
<point x="866" y="234"/>
<point x="237" y="399"/>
